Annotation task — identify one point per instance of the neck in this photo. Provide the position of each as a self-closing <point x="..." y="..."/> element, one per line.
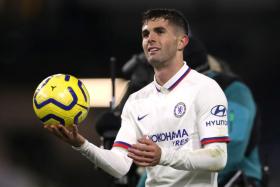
<point x="164" y="73"/>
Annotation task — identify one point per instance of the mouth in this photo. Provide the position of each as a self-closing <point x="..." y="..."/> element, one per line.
<point x="152" y="50"/>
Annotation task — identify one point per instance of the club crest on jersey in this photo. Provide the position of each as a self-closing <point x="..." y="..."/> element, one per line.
<point x="180" y="109"/>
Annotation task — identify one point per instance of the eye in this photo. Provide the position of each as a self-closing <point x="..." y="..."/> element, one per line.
<point x="160" y="30"/>
<point x="145" y="34"/>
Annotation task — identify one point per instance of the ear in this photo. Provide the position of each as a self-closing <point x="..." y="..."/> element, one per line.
<point x="183" y="42"/>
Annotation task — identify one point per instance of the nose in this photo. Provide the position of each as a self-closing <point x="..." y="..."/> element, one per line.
<point x="152" y="37"/>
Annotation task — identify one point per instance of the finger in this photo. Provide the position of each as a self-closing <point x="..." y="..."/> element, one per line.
<point x="142" y="147"/>
<point x="145" y="140"/>
<point x="56" y="131"/>
<point x="69" y="127"/>
<point x="64" y="132"/>
<point x="139" y="159"/>
<point x="145" y="164"/>
<point x="75" y="130"/>
<point x="141" y="153"/>
<point x="48" y="127"/>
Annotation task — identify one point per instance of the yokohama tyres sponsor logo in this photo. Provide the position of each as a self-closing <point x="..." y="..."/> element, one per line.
<point x="178" y="138"/>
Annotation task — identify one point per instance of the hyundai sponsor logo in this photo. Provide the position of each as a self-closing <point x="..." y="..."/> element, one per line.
<point x="219" y="110"/>
<point x="216" y="122"/>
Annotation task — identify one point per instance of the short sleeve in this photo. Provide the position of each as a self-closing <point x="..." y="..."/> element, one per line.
<point x="212" y="114"/>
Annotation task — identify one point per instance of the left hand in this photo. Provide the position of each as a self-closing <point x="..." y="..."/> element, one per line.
<point x="145" y="152"/>
<point x="68" y="134"/>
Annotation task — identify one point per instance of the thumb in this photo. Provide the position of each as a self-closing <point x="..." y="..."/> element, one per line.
<point x="145" y="140"/>
<point x="75" y="130"/>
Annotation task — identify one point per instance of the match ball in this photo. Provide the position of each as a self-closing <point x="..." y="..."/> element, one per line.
<point x="61" y="99"/>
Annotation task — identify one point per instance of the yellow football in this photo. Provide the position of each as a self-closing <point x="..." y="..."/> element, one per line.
<point x="61" y="99"/>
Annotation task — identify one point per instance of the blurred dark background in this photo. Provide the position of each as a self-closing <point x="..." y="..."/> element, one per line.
<point x="43" y="37"/>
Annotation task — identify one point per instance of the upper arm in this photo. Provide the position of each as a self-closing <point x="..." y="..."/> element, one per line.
<point x="212" y="114"/>
<point x="127" y="134"/>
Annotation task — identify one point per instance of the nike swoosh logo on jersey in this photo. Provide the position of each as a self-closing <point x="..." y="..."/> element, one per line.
<point x="141" y="117"/>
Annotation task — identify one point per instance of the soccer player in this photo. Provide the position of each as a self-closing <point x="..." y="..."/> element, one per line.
<point x="175" y="126"/>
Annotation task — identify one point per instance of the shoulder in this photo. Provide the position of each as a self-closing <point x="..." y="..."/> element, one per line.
<point x="144" y="92"/>
<point x="208" y="93"/>
<point x="204" y="82"/>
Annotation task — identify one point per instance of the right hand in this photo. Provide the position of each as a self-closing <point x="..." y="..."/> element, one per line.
<point x="69" y="134"/>
<point x="145" y="152"/>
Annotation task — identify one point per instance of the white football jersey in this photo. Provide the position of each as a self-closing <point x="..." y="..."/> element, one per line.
<point x="190" y="110"/>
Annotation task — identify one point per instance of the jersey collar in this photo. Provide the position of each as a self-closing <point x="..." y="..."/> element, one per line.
<point x="173" y="81"/>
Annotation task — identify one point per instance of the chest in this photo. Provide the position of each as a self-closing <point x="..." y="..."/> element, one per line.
<point x="171" y="115"/>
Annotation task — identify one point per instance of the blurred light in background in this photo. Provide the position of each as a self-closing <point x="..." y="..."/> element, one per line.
<point x="100" y="91"/>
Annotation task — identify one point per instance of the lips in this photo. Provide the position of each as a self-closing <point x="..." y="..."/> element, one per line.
<point x="153" y="49"/>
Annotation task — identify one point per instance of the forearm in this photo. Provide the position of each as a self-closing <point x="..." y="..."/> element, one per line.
<point x="212" y="157"/>
<point x="115" y="162"/>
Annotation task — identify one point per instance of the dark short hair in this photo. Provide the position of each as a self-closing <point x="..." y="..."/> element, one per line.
<point x="174" y="16"/>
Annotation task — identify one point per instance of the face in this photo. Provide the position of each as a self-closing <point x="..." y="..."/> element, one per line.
<point x="160" y="41"/>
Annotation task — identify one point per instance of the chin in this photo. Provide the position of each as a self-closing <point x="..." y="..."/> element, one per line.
<point x="154" y="62"/>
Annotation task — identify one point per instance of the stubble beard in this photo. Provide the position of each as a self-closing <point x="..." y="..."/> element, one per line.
<point x="156" y="63"/>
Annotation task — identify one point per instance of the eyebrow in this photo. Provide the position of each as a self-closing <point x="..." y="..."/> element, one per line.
<point x="156" y="29"/>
